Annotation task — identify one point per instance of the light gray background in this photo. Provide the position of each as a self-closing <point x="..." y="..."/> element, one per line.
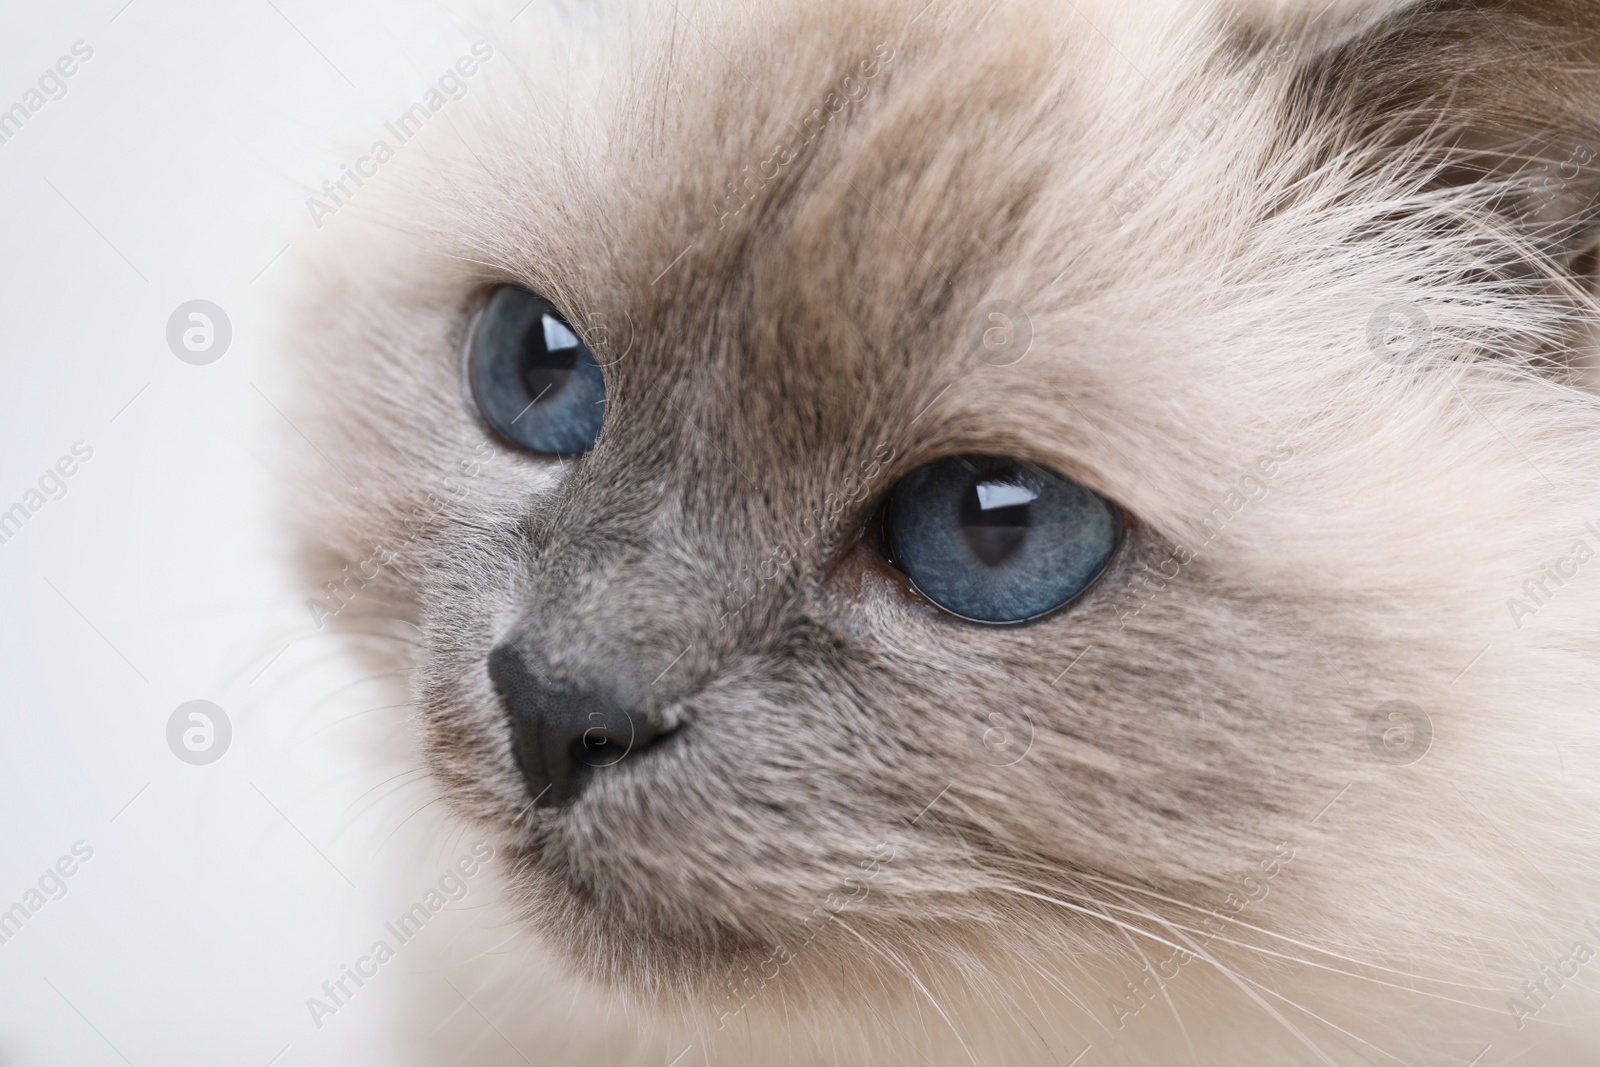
<point x="219" y="897"/>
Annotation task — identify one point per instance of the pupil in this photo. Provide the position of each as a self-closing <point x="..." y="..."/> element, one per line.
<point x="549" y="356"/>
<point x="996" y="515"/>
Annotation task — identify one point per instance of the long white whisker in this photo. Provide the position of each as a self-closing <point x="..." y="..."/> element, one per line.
<point x="1224" y="970"/>
<point x="909" y="973"/>
<point x="1280" y="937"/>
<point x="1166" y="996"/>
<point x="1303" y="1008"/>
<point x="1173" y="924"/>
<point x="1062" y="988"/>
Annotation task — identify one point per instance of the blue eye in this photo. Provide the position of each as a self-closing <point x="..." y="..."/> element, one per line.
<point x="534" y="381"/>
<point x="997" y="540"/>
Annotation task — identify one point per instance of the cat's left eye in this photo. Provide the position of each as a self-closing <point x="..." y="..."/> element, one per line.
<point x="535" y="381"/>
<point x="998" y="540"/>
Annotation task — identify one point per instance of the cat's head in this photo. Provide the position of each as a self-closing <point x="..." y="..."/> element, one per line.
<point x="875" y="481"/>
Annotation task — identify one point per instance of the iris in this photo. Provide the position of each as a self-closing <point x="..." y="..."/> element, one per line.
<point x="536" y="383"/>
<point x="998" y="540"/>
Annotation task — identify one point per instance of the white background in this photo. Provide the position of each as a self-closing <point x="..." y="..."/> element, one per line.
<point x="218" y="898"/>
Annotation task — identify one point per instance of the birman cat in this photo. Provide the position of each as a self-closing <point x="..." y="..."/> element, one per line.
<point x="1049" y="532"/>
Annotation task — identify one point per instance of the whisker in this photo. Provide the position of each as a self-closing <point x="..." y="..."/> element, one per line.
<point x="1210" y="935"/>
<point x="909" y="973"/>
<point x="358" y="714"/>
<point x="1300" y="1007"/>
<point x="1166" y="996"/>
<point x="1226" y="971"/>
<point x="410" y="773"/>
<point x="425" y="806"/>
<point x="1062" y="988"/>
<point x="1283" y="937"/>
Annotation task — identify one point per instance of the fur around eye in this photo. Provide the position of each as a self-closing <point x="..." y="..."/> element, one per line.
<point x="535" y="382"/>
<point x="996" y="540"/>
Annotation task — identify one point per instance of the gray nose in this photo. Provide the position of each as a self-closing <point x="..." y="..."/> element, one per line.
<point x="563" y="734"/>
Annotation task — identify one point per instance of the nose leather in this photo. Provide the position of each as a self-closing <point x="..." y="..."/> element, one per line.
<point x="563" y="733"/>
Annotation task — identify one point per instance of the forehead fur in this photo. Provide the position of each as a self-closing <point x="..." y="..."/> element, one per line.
<point x="783" y="232"/>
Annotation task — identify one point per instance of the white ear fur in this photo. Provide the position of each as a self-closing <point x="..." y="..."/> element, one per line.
<point x="1499" y="99"/>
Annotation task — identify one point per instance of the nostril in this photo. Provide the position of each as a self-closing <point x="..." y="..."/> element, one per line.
<point x="598" y="751"/>
<point x="598" y="748"/>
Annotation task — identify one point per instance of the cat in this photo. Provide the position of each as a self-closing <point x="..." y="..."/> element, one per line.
<point x="943" y="532"/>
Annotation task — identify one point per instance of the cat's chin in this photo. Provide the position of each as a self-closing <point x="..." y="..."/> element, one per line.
<point x="707" y="975"/>
<point x="676" y="964"/>
<point x="679" y="963"/>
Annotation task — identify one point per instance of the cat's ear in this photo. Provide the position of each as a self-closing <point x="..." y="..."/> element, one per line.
<point x="1497" y="100"/>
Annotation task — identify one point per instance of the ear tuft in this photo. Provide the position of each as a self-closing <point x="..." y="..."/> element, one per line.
<point x="1498" y="100"/>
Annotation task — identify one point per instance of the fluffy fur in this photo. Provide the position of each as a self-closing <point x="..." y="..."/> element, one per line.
<point x="1203" y="214"/>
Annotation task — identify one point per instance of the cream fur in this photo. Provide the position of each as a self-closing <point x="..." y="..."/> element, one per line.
<point x="1200" y="306"/>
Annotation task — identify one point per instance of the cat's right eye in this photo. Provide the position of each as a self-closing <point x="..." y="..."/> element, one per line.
<point x="533" y="379"/>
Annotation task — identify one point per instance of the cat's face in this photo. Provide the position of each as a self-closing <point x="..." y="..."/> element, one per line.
<point x="999" y="236"/>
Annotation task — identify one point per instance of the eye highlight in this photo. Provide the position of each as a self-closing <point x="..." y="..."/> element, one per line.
<point x="536" y="383"/>
<point x="997" y="540"/>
